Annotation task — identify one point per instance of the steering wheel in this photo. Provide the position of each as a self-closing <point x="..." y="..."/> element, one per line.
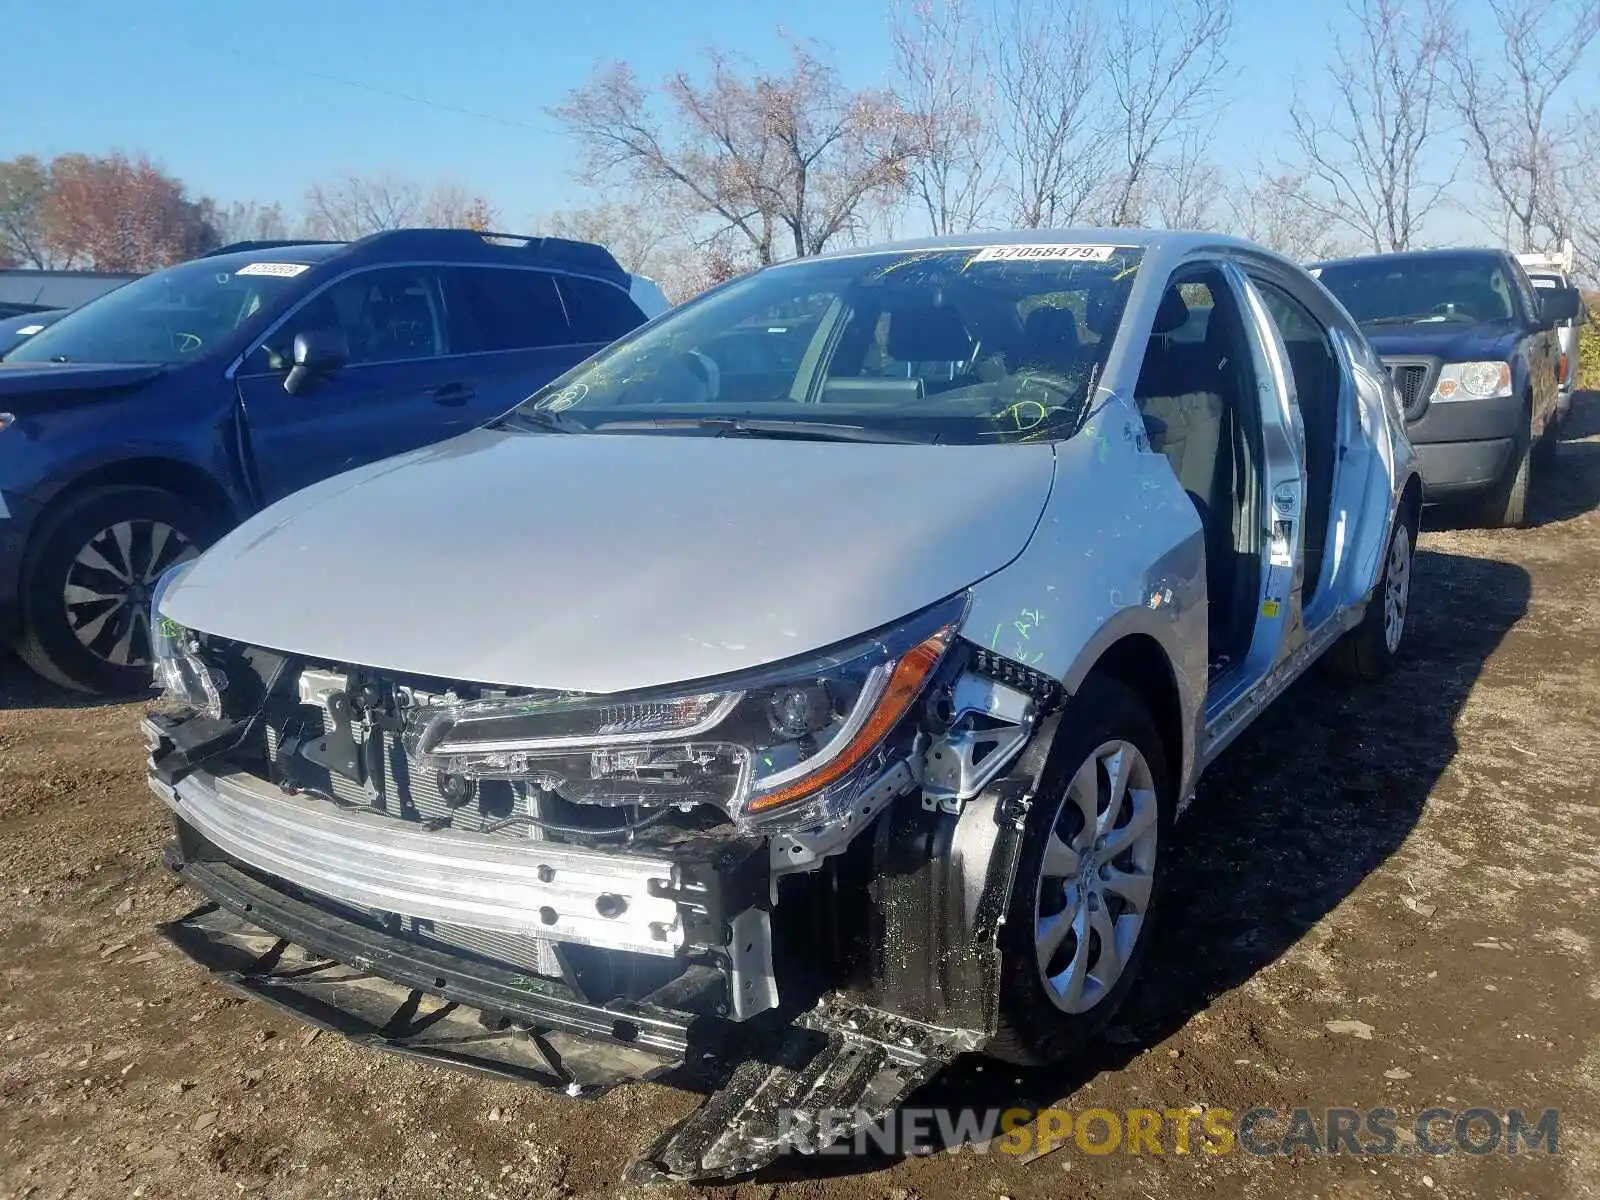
<point x="186" y="343"/>
<point x="705" y="368"/>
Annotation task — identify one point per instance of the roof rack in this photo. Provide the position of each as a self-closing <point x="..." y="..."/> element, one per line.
<point x="487" y="246"/>
<point x="236" y="247"/>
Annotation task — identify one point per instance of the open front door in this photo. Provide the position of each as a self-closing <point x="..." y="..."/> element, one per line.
<point x="1270" y="512"/>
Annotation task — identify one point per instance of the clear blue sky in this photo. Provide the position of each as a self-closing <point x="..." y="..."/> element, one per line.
<point x="231" y="97"/>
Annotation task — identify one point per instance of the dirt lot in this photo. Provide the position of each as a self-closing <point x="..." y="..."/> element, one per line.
<point x="1422" y="858"/>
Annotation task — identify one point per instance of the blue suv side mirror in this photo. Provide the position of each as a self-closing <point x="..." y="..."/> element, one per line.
<point x="317" y="352"/>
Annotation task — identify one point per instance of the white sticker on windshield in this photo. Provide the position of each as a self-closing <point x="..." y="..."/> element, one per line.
<point x="282" y="270"/>
<point x="1070" y="253"/>
<point x="29" y="330"/>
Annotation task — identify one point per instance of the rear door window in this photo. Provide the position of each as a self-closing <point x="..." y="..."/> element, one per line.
<point x="598" y="311"/>
<point x="514" y="309"/>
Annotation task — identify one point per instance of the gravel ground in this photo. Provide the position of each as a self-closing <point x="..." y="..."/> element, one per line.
<point x="1415" y="863"/>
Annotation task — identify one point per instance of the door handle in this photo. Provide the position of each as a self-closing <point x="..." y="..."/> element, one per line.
<point x="453" y="394"/>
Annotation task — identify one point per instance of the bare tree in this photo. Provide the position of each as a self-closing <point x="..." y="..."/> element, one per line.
<point x="248" y="221"/>
<point x="451" y="206"/>
<point x="1165" y="64"/>
<point x="1181" y="191"/>
<point x="640" y="234"/>
<point x="1271" y="209"/>
<point x="762" y="155"/>
<point x="941" y="84"/>
<point x="353" y="206"/>
<point x="1369" y="158"/>
<point x="1045" y="61"/>
<point x="1578" y="198"/>
<point x="1504" y="92"/>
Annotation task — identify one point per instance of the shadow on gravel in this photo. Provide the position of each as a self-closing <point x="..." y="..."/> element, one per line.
<point x="1316" y="795"/>
<point x="21" y="688"/>
<point x="1569" y="485"/>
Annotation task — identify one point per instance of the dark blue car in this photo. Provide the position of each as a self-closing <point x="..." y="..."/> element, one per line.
<point x="143" y="425"/>
<point x="1476" y="359"/>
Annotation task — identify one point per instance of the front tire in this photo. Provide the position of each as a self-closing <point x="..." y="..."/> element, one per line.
<point x="1505" y="505"/>
<point x="86" y="585"/>
<point x="1087" y="879"/>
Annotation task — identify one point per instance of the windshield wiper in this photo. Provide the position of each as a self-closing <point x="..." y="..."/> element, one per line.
<point x="539" y="418"/>
<point x="814" y="431"/>
<point x="1417" y="318"/>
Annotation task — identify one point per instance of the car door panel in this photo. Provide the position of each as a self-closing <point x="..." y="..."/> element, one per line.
<point x="355" y="415"/>
<point x="401" y="387"/>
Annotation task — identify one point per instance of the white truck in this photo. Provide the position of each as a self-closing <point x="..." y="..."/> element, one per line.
<point x="1553" y="270"/>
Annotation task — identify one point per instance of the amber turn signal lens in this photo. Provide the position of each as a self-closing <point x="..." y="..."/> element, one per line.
<point x="905" y="685"/>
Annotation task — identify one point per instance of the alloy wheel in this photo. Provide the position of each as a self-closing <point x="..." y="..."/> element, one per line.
<point x="1397" y="589"/>
<point x="1097" y="877"/>
<point x="110" y="582"/>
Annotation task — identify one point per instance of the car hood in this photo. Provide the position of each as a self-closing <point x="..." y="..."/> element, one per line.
<point x="1450" y="342"/>
<point x="606" y="562"/>
<point x="30" y="387"/>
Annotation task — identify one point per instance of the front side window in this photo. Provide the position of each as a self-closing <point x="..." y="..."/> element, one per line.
<point x="387" y="315"/>
<point x="172" y="316"/>
<point x="963" y="345"/>
<point x="1461" y="289"/>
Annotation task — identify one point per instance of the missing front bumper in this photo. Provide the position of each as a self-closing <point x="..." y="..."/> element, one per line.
<point x="386" y="991"/>
<point x="769" y="1083"/>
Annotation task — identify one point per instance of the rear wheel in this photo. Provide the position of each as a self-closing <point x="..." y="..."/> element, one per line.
<point x="1370" y="649"/>
<point x="87" y="583"/>
<point x="1087" y="880"/>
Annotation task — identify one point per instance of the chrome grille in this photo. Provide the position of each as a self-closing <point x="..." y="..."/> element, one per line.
<point x="1413" y="381"/>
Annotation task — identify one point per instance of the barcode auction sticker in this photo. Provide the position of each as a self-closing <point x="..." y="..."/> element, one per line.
<point x="282" y="270"/>
<point x="1069" y="253"/>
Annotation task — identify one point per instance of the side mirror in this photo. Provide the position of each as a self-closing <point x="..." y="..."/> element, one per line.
<point x="1559" y="305"/>
<point x="317" y="352"/>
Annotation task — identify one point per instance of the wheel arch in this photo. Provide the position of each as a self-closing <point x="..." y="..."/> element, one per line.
<point x="1140" y="663"/>
<point x="1410" y="507"/>
<point x="188" y="482"/>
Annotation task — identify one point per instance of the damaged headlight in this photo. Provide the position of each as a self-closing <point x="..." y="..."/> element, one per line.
<point x="183" y="680"/>
<point x="794" y="742"/>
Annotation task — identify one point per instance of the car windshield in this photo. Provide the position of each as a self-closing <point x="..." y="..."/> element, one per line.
<point x="171" y="316"/>
<point x="1464" y="289"/>
<point x="979" y="344"/>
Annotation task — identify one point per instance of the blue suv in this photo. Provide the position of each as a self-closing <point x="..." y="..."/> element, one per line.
<point x="142" y="426"/>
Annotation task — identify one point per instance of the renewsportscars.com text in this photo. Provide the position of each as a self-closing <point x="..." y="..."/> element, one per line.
<point x="1191" y="1130"/>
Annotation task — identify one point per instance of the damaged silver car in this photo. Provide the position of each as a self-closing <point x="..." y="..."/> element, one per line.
<point x="797" y="694"/>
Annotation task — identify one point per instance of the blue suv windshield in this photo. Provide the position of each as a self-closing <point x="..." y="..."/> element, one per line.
<point x="961" y="345"/>
<point x="172" y="316"/>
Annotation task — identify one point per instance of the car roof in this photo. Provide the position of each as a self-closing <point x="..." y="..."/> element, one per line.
<point x="1402" y="256"/>
<point x="302" y="253"/>
<point x="1169" y="241"/>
